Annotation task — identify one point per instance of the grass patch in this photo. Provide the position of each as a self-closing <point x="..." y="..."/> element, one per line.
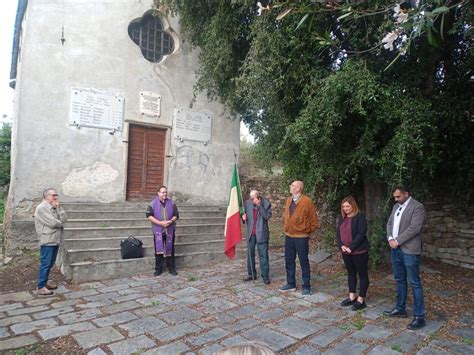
<point x="467" y="340"/>
<point x="153" y="303"/>
<point x="396" y="347"/>
<point x="192" y="278"/>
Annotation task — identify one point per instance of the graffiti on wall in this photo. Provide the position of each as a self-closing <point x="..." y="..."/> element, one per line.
<point x="188" y="157"/>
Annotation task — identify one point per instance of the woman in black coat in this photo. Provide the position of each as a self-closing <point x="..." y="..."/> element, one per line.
<point x="352" y="241"/>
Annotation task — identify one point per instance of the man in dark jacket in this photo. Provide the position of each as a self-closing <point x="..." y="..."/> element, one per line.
<point x="258" y="211"/>
<point x="404" y="237"/>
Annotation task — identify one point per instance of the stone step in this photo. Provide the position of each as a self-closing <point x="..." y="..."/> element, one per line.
<point x="111" y="242"/>
<point x="137" y="222"/>
<point x="92" y="232"/>
<point x="102" y="254"/>
<point x="129" y="206"/>
<point x="97" y="214"/>
<point x="101" y="270"/>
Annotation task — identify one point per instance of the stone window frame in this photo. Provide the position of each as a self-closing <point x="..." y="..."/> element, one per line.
<point x="153" y="35"/>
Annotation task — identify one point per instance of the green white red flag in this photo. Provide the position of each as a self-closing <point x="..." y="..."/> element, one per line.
<point x="235" y="209"/>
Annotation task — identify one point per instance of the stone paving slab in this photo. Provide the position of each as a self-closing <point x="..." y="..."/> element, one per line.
<point x="207" y="337"/>
<point x="27" y="310"/>
<point x="18" y="342"/>
<point x="176" y="331"/>
<point x="80" y="316"/>
<point x="23" y="328"/>
<point x="131" y="345"/>
<point x="114" y="319"/>
<point x="96" y="337"/>
<point x="306" y="350"/>
<point x="347" y="347"/>
<point x="16" y="297"/>
<point x="297" y="328"/>
<point x="382" y="350"/>
<point x="274" y="340"/>
<point x="63" y="330"/>
<point x="143" y="325"/>
<point x="4" y="332"/>
<point x="174" y="348"/>
<point x="371" y="332"/>
<point x="12" y="320"/>
<point x="406" y="341"/>
<point x="327" y="337"/>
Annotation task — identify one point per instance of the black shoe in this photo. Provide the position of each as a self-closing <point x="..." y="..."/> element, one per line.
<point x="249" y="278"/>
<point x="173" y="272"/>
<point x="157" y="273"/>
<point x="266" y="281"/>
<point x="395" y="313"/>
<point x="357" y="306"/>
<point x="348" y="302"/>
<point x="416" y="323"/>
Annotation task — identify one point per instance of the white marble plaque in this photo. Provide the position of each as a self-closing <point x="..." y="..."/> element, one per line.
<point x="192" y="126"/>
<point x="150" y="103"/>
<point x="96" y="108"/>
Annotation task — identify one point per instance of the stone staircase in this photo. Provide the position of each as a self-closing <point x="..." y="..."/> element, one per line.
<point x="94" y="231"/>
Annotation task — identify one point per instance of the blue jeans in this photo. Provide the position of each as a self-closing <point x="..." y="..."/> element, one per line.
<point x="407" y="267"/>
<point x="298" y="246"/>
<point x="262" y="256"/>
<point x="48" y="255"/>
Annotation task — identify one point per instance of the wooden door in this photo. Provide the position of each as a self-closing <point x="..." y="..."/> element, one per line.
<point x="146" y="158"/>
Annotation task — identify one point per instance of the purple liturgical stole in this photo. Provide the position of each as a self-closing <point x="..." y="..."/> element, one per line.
<point x="160" y="247"/>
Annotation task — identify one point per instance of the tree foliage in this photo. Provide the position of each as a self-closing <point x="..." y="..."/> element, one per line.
<point x="5" y="148"/>
<point x="321" y="92"/>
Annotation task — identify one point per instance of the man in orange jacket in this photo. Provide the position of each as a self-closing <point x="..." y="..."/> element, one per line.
<point x="301" y="220"/>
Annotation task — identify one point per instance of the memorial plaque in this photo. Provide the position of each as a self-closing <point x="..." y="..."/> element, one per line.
<point x="150" y="103"/>
<point x="192" y="126"/>
<point x="96" y="108"/>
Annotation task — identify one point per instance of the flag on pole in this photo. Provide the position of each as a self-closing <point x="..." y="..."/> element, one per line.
<point x="233" y="233"/>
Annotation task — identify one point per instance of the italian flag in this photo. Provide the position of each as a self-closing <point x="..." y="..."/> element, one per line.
<point x="233" y="233"/>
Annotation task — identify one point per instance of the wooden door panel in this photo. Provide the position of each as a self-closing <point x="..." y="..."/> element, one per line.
<point x="145" y="162"/>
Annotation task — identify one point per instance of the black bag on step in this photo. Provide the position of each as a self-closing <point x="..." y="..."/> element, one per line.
<point x="131" y="248"/>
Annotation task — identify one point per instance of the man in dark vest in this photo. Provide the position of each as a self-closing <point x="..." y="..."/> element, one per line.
<point x="163" y="214"/>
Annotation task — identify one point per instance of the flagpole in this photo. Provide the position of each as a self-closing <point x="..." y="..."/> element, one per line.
<point x="249" y="260"/>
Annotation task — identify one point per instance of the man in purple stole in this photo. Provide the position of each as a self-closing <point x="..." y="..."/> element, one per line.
<point x="163" y="214"/>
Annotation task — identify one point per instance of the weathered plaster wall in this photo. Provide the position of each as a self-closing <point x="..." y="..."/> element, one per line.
<point x="90" y="164"/>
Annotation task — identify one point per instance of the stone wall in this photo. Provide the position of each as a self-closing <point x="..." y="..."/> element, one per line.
<point x="449" y="234"/>
<point x="270" y="187"/>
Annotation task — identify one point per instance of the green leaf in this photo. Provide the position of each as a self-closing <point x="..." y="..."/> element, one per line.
<point x="344" y="16"/>
<point x="301" y="21"/>
<point x="439" y="10"/>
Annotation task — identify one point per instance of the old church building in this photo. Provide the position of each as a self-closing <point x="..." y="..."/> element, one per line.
<point x="105" y="112"/>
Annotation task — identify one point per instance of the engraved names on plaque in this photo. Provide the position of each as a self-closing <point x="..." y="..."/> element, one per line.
<point x="95" y="108"/>
<point x="150" y="103"/>
<point x="193" y="126"/>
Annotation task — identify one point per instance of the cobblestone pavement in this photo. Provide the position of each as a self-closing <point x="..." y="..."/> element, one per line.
<point x="205" y="309"/>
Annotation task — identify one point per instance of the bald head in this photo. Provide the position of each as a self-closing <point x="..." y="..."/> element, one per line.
<point x="296" y="187"/>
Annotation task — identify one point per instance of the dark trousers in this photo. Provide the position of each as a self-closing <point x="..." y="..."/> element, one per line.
<point x="48" y="255"/>
<point x="298" y="246"/>
<point x="357" y="265"/>
<point x="406" y="267"/>
<point x="262" y="256"/>
<point x="160" y="259"/>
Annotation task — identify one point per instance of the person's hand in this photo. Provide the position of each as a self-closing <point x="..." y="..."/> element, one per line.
<point x="348" y="250"/>
<point x="244" y="217"/>
<point x="393" y="243"/>
<point x="55" y="203"/>
<point x="258" y="201"/>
